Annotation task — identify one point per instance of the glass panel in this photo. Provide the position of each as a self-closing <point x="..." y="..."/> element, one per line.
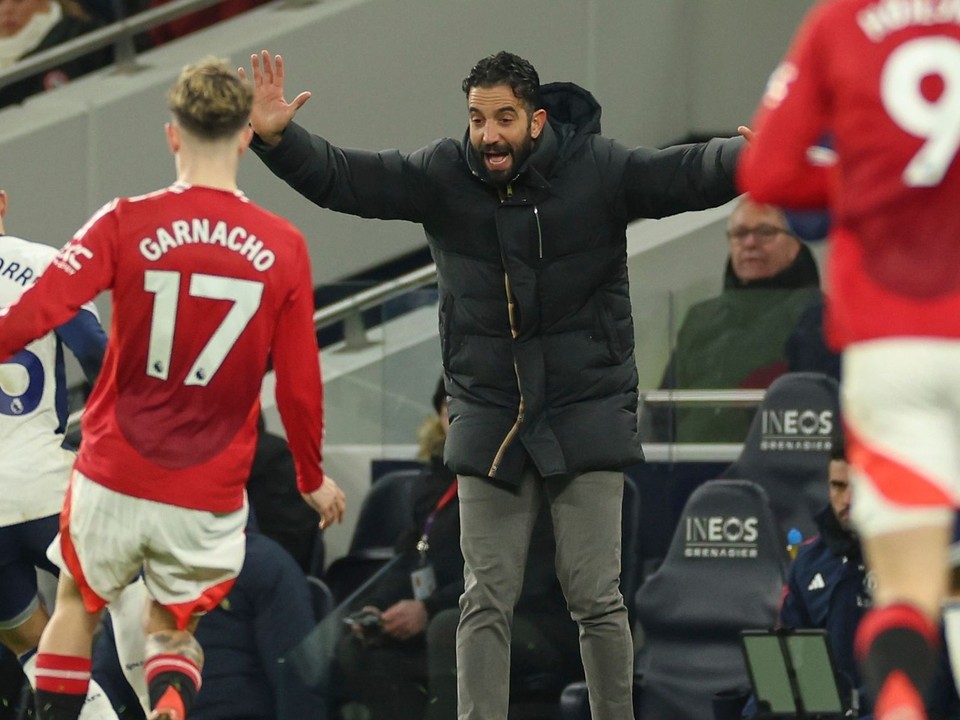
<point x="739" y="339"/>
<point x="380" y="371"/>
<point x="352" y="358"/>
<point x="411" y="364"/>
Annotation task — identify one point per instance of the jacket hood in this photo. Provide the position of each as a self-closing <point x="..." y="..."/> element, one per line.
<point x="842" y="543"/>
<point x="801" y="273"/>
<point x="572" y="112"/>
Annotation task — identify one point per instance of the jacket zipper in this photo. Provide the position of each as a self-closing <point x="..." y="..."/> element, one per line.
<point x="511" y="306"/>
<point x="536" y="215"/>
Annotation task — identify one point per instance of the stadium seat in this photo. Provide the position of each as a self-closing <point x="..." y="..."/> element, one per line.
<point x="693" y="607"/>
<point x="723" y="573"/>
<point x="788" y="447"/>
<point x="321" y="596"/>
<point x="386" y="512"/>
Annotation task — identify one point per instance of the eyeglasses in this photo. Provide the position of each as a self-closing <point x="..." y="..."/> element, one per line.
<point x="763" y="233"/>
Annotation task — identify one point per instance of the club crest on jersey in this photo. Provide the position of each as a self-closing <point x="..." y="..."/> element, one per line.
<point x="779" y="84"/>
<point x="68" y="259"/>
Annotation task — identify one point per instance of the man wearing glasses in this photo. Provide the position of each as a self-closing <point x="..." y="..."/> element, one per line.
<point x="738" y="339"/>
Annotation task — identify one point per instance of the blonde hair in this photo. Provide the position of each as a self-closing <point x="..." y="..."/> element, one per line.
<point x="431" y="437"/>
<point x="210" y="100"/>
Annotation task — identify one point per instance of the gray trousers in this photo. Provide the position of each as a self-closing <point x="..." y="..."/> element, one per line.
<point x="495" y="529"/>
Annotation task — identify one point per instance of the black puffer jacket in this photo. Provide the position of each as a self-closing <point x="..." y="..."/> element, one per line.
<point x="535" y="317"/>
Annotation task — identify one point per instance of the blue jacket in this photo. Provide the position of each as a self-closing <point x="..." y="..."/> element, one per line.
<point x="828" y="588"/>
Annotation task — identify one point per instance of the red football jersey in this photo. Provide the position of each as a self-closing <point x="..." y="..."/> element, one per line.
<point x="881" y="80"/>
<point x="206" y="287"/>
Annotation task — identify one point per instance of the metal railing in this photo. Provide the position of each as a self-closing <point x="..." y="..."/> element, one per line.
<point x="350" y="309"/>
<point x="727" y="398"/>
<point x="119" y="34"/>
<point x="698" y="452"/>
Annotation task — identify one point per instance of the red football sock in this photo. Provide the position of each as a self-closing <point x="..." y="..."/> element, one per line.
<point x="62" y="682"/>
<point x="895" y="646"/>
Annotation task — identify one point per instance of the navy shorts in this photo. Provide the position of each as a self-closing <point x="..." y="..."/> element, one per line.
<point x="23" y="549"/>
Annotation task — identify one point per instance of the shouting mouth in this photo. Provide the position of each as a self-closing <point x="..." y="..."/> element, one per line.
<point x="497" y="158"/>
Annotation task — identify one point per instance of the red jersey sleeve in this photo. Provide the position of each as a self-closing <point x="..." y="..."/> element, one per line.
<point x="80" y="271"/>
<point x="776" y="166"/>
<point x="299" y="388"/>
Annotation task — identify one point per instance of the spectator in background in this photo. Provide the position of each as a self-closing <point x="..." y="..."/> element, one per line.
<point x="829" y="587"/>
<point x="28" y="27"/>
<point x="739" y="339"/>
<point x="265" y="615"/>
<point x="281" y="514"/>
<point x="110" y="11"/>
<point x="384" y="668"/>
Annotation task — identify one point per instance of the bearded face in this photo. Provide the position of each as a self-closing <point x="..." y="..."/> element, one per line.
<point x="502" y="131"/>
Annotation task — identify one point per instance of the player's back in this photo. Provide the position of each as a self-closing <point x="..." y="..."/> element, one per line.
<point x="891" y="74"/>
<point x="34" y="468"/>
<point x="200" y="279"/>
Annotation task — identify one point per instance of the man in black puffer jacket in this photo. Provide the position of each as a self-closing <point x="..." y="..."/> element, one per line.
<point x="526" y="218"/>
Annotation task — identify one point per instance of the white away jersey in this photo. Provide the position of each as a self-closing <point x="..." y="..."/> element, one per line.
<point x="34" y="468"/>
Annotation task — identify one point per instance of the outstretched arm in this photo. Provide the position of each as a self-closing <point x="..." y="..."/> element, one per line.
<point x="389" y="185"/>
<point x="271" y="112"/>
<point x="695" y="176"/>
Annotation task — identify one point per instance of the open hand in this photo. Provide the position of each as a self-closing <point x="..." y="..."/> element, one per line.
<point x="271" y="112"/>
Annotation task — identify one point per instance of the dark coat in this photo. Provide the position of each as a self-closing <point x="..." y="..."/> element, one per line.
<point x="828" y="588"/>
<point x="554" y="380"/>
<point x="443" y="551"/>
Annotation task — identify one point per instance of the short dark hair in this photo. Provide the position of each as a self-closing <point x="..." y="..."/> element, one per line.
<point x="838" y="446"/>
<point x="505" y="68"/>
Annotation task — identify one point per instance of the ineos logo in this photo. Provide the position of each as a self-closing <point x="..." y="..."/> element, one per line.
<point x="719" y="529"/>
<point x="794" y="423"/>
